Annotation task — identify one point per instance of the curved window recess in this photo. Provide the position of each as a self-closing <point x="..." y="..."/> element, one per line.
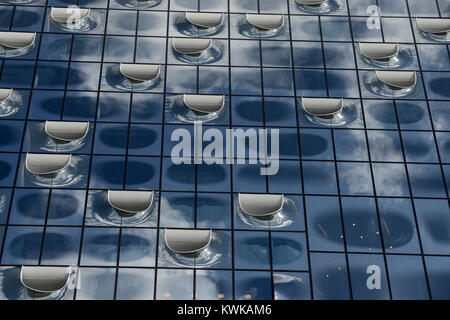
<point x="44" y="279"/>
<point x="130" y="201"/>
<point x="265" y="21"/>
<point x="46" y="163"/>
<point x="66" y="131"/>
<point x="5" y="94"/>
<point x="435" y="26"/>
<point x="310" y="2"/>
<point x="205" y="20"/>
<point x="379" y="51"/>
<point x="190" y="45"/>
<point x="187" y="241"/>
<point x="322" y="107"/>
<point x="140" y="72"/>
<point x="398" y="79"/>
<point x="17" y="40"/>
<point x="69" y="15"/>
<point x="260" y="205"/>
<point x="204" y="103"/>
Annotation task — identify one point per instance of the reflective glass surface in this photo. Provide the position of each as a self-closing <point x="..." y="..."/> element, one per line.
<point x="365" y="192"/>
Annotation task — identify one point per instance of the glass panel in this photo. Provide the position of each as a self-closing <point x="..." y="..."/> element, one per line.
<point x="324" y="224"/>
<point x="251" y="250"/>
<point x="61" y="246"/>
<point x="434" y="225"/>
<point x="292" y="286"/>
<point x="22" y="245"/>
<point x="213" y="285"/>
<point x="96" y="284"/>
<point x="407" y="277"/>
<point x="135" y="284"/>
<point x="368" y="276"/>
<point x="251" y="285"/>
<point x="100" y="246"/>
<point x="289" y="251"/>
<point x="174" y="285"/>
<point x="364" y="190"/>
<point x="329" y="276"/>
<point x="438" y="276"/>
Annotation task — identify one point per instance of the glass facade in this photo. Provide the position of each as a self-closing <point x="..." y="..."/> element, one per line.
<point x="365" y="190"/>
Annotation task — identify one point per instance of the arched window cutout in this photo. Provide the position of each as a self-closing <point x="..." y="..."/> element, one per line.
<point x="310" y="2"/>
<point x="44" y="279"/>
<point x="187" y="241"/>
<point x="140" y="72"/>
<point x="322" y="106"/>
<point x="204" y="103"/>
<point x="69" y="15"/>
<point x="66" y="130"/>
<point x="435" y="26"/>
<point x="130" y="201"/>
<point x="205" y="20"/>
<point x="17" y="40"/>
<point x="379" y="51"/>
<point x="265" y="21"/>
<point x="5" y="94"/>
<point x="191" y="45"/>
<point x="260" y="205"/>
<point x="46" y="163"/>
<point x="398" y="79"/>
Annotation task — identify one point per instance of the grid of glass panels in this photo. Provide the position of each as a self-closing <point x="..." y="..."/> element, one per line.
<point x="370" y="191"/>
